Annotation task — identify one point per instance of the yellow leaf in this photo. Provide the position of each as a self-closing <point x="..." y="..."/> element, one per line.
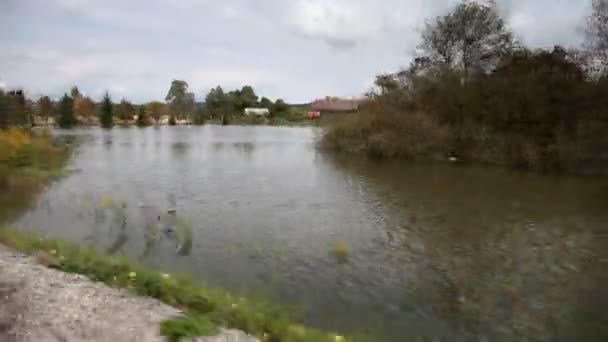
<point x="340" y="248"/>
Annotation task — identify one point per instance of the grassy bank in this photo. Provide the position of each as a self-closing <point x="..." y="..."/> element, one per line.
<point x="27" y="162"/>
<point x="206" y="308"/>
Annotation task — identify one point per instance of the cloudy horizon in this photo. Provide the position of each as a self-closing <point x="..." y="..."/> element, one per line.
<point x="297" y="50"/>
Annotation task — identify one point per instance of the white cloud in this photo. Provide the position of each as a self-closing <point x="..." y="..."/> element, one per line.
<point x="523" y="21"/>
<point x="231" y="11"/>
<point x="273" y="45"/>
<point x="74" y="4"/>
<point x="339" y="22"/>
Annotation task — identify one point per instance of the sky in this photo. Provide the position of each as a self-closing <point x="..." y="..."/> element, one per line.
<point x="297" y="50"/>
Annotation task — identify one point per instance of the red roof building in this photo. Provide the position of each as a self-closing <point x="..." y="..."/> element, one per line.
<point x="335" y="104"/>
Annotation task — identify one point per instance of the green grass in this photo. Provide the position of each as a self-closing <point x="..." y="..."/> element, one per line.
<point x="206" y="308"/>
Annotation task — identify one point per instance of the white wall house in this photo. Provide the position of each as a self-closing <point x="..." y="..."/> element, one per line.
<point x="257" y="111"/>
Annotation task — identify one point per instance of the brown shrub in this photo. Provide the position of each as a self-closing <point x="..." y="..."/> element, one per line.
<point x="382" y="132"/>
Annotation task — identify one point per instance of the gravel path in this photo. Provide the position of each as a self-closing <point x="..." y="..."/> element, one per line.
<point x="42" y="304"/>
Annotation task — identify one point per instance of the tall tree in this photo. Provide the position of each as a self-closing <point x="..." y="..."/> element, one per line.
<point x="126" y="111"/>
<point x="84" y="107"/>
<point x="180" y="100"/>
<point x="156" y="110"/>
<point x="597" y="34"/>
<point x="234" y="100"/>
<point x="472" y="38"/>
<point x="216" y="99"/>
<point x="248" y="97"/>
<point x="45" y="109"/>
<point x="107" y="112"/>
<point x="66" y="112"/>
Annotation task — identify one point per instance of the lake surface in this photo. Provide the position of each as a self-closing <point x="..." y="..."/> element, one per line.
<point x="396" y="250"/>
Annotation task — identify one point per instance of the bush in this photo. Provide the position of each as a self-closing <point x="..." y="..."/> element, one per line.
<point x="383" y="132"/>
<point x="536" y="110"/>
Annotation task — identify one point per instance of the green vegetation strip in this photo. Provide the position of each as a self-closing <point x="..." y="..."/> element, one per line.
<point x="206" y="309"/>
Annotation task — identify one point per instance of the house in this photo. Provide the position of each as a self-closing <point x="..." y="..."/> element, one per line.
<point x="257" y="111"/>
<point x="313" y="115"/>
<point x="335" y="104"/>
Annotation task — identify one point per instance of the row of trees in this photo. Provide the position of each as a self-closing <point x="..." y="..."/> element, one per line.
<point x="235" y="101"/>
<point x="179" y="104"/>
<point x="475" y="93"/>
<point x="74" y="105"/>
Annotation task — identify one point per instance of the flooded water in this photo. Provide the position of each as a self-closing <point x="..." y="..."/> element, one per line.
<point x="396" y="250"/>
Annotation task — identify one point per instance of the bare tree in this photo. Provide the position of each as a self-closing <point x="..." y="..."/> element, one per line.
<point x="597" y="36"/>
<point x="472" y="38"/>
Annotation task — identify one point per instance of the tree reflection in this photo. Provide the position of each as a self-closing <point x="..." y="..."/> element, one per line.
<point x="516" y="283"/>
<point x="499" y="256"/>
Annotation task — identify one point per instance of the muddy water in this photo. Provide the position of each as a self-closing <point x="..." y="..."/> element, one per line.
<point x="395" y="250"/>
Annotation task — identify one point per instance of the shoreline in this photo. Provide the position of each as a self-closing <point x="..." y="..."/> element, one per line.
<point x="44" y="304"/>
<point x="187" y="309"/>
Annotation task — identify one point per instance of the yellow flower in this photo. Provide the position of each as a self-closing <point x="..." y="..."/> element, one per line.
<point x="165" y="276"/>
<point x="106" y="202"/>
<point x="339" y="338"/>
<point x="132" y="275"/>
<point x="52" y="251"/>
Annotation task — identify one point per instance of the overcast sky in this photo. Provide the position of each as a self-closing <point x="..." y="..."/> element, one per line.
<point x="294" y="49"/>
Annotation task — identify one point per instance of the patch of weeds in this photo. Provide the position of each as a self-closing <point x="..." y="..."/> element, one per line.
<point x="183" y="327"/>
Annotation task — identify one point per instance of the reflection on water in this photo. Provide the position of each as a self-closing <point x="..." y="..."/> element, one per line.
<point x="396" y="250"/>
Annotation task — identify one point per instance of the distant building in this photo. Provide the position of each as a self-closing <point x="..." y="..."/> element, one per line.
<point x="257" y="111"/>
<point x="335" y="104"/>
<point x="313" y="115"/>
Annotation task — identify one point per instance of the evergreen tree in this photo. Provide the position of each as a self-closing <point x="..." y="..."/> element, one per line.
<point x="66" y="112"/>
<point x="107" y="115"/>
<point x="142" y="118"/>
